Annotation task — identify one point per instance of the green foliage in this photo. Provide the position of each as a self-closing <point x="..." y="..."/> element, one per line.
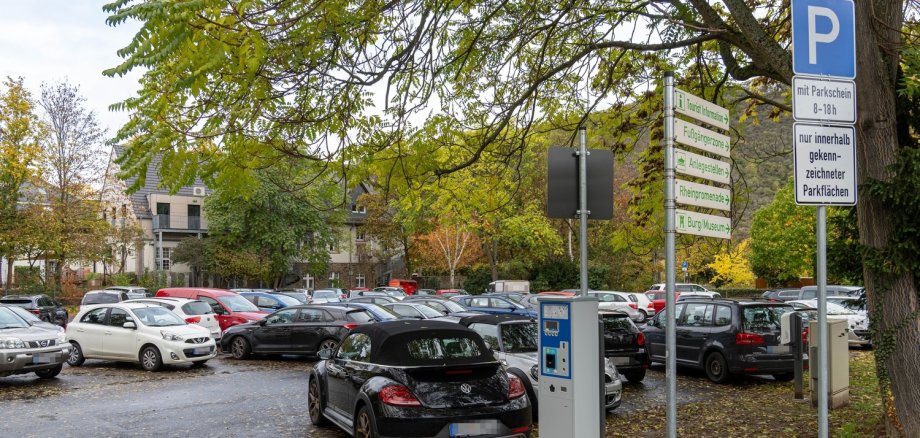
<point x="153" y="280"/>
<point x="123" y="279"/>
<point x="28" y="280"/>
<point x="844" y="252"/>
<point x="477" y="279"/>
<point x="783" y="239"/>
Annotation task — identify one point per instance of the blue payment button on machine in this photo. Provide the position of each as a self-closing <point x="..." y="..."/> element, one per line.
<point x="556" y="340"/>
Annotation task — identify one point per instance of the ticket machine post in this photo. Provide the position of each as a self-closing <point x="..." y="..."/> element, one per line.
<point x="571" y="384"/>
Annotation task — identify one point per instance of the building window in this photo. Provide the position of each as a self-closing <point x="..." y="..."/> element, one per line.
<point x="360" y="235"/>
<point x="162" y="217"/>
<point x="333" y="247"/>
<point x="333" y="276"/>
<point x="309" y="282"/>
<point x="165" y="258"/>
<point x="359" y="280"/>
<point x="355" y="208"/>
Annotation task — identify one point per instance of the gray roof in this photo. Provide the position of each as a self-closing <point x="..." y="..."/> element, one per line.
<point x="152" y="186"/>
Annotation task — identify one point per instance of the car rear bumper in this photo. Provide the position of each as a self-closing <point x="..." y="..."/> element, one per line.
<point x="27" y="360"/>
<point x="763" y="364"/>
<point x="629" y="360"/>
<point x="409" y="422"/>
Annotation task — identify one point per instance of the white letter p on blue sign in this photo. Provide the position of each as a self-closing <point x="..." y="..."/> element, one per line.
<point x="824" y="38"/>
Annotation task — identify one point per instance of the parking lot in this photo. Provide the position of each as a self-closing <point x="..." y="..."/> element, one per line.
<point x="231" y="398"/>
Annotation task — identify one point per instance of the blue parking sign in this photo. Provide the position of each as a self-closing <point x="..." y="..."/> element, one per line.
<point x="824" y="38"/>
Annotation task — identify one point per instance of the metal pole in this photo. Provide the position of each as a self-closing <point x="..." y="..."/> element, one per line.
<point x="583" y="208"/>
<point x="669" y="263"/>
<point x="822" y="322"/>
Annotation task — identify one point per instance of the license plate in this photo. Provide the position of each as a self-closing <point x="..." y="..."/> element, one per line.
<point x="43" y="358"/>
<point x="779" y="349"/>
<point x="482" y="427"/>
<point x="619" y="360"/>
<point x="202" y="350"/>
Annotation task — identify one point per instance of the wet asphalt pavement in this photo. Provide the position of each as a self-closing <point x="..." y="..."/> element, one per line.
<point x="227" y="398"/>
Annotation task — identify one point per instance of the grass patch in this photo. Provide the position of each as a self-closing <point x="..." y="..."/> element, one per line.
<point x="753" y="407"/>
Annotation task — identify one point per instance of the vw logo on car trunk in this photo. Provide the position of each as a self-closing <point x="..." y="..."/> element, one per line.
<point x="466" y="388"/>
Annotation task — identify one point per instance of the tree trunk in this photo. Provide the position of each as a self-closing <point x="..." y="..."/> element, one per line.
<point x="491" y="252"/>
<point x="9" y="275"/>
<point x="892" y="299"/>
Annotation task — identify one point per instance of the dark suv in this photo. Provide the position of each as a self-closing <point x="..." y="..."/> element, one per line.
<point x="42" y="306"/>
<point x="624" y="344"/>
<point x="725" y="338"/>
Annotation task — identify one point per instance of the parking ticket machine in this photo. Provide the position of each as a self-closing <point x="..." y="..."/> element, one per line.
<point x="571" y="387"/>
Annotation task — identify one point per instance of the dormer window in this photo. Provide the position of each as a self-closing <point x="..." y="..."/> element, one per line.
<point x="355" y="208"/>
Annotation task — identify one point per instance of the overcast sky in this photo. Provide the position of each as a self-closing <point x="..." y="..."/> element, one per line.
<point x="53" y="40"/>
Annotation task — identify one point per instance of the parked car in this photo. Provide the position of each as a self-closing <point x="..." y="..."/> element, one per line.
<point x="325" y="296"/>
<point x="443" y="305"/>
<point x="192" y="311"/>
<point x="395" y="292"/>
<point x="686" y="289"/>
<point x="373" y="299"/>
<point x="407" y="286"/>
<point x="269" y="302"/>
<point x="855" y="305"/>
<point x="103" y="297"/>
<point x="301" y="295"/>
<point x="34" y="320"/>
<point x="132" y="291"/>
<point x="725" y="338"/>
<point x="643" y="303"/>
<point x="495" y="304"/>
<point x="302" y="329"/>
<point x="149" y="334"/>
<point x="363" y="292"/>
<point x="414" y="310"/>
<point x="40" y="305"/>
<point x="530" y="301"/>
<point x="416" y="378"/>
<point x="430" y="292"/>
<point x="833" y="290"/>
<point x="514" y="341"/>
<point x="451" y="292"/>
<point x="230" y="308"/>
<point x="610" y="301"/>
<point x="781" y="295"/>
<point x="26" y="348"/>
<point x="378" y="312"/>
<point x="657" y="298"/>
<point x="857" y="325"/>
<point x="624" y="344"/>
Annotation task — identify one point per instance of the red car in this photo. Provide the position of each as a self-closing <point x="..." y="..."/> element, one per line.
<point x="658" y="298"/>
<point x="230" y="309"/>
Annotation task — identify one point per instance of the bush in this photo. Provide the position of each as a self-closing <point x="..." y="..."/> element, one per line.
<point x="29" y="280"/>
<point x="122" y="279"/>
<point x="477" y="280"/>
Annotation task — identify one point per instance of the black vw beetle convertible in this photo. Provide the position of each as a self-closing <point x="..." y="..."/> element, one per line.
<point x="409" y="378"/>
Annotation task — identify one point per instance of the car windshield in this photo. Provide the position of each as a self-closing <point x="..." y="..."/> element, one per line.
<point x="763" y="318"/>
<point x="237" y="303"/>
<point x="157" y="317"/>
<point x="101" y="298"/>
<point x="24" y="314"/>
<point x="326" y="294"/>
<point x="451" y="306"/>
<point x="513" y="303"/>
<point x="519" y="338"/>
<point x="8" y="319"/>
<point x="440" y="348"/>
<point x="359" y="316"/>
<point x="18" y="302"/>
<point x="395" y="293"/>
<point x="288" y="301"/>
<point x="428" y="311"/>
<point x="299" y="296"/>
<point x="197" y="308"/>
<point x="613" y="323"/>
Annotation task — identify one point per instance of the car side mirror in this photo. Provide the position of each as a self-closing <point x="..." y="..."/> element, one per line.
<point x="130" y="325"/>
<point x="325" y="353"/>
<point x="446" y="312"/>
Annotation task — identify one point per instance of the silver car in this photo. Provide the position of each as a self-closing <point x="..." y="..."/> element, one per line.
<point x="27" y="348"/>
<point x="514" y="340"/>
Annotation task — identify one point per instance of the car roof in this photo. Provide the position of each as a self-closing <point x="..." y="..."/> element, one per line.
<point x="387" y="336"/>
<point x="493" y="319"/>
<point x="175" y="300"/>
<point x="209" y="290"/>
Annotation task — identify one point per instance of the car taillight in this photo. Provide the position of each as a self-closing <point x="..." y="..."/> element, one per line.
<point x="36" y="311"/>
<point x="351" y="325"/>
<point x="515" y="387"/>
<point x="193" y="319"/>
<point x="651" y="305"/>
<point x="640" y="339"/>
<point x="805" y="336"/>
<point x="398" y="395"/>
<point x="633" y="306"/>
<point x="748" y="339"/>
<point x="521" y="429"/>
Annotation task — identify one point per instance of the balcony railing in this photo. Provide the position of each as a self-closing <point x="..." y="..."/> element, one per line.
<point x="177" y="223"/>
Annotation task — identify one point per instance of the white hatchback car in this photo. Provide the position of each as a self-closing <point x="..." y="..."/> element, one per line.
<point x="192" y="311"/>
<point x="148" y="334"/>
